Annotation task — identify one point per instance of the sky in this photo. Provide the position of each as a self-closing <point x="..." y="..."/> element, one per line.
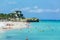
<point x="42" y="9"/>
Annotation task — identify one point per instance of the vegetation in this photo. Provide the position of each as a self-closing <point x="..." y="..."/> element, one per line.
<point x="3" y="15"/>
<point x="18" y="15"/>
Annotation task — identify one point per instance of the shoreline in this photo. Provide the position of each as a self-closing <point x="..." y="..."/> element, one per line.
<point x="5" y="26"/>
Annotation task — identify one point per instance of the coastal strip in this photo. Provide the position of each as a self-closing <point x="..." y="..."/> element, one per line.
<point x="4" y="26"/>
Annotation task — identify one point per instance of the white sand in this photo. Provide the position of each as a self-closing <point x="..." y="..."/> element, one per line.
<point x="4" y="26"/>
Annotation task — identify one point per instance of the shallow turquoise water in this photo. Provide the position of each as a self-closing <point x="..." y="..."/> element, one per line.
<point x="43" y="30"/>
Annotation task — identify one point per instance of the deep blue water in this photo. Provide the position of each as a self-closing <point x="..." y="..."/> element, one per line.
<point x="43" y="30"/>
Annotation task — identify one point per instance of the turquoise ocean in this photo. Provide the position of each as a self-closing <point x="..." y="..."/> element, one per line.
<point x="43" y="30"/>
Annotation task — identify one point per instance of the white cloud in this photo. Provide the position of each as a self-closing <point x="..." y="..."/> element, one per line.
<point x="12" y="2"/>
<point x="44" y="10"/>
<point x="1" y="10"/>
<point x="25" y="9"/>
<point x="36" y="9"/>
<point x="22" y="9"/>
<point x="15" y="9"/>
<point x="52" y="10"/>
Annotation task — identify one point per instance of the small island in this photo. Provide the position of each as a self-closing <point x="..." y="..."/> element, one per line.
<point x="16" y="16"/>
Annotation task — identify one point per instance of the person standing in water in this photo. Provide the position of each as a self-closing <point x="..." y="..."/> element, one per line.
<point x="26" y="38"/>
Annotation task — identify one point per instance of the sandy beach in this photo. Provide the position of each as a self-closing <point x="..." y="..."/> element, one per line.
<point x="5" y="26"/>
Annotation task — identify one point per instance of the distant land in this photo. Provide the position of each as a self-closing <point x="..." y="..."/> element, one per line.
<point x="17" y="16"/>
